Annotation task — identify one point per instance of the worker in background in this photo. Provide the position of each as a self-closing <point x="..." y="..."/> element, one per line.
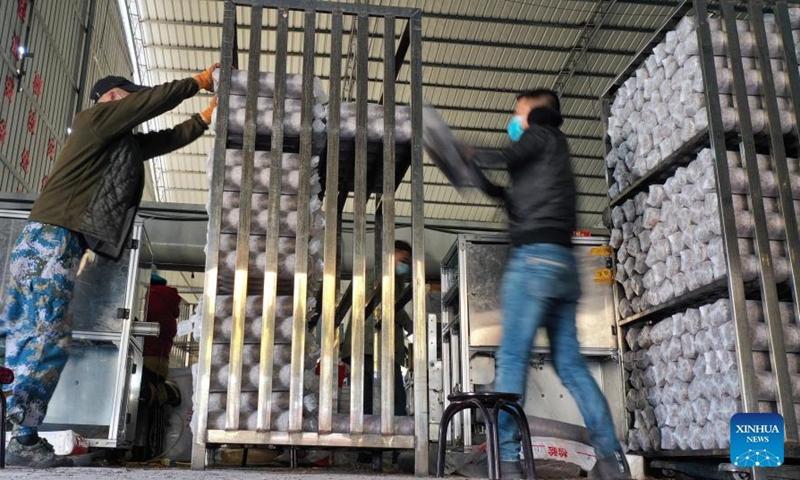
<point x="88" y="206"/>
<point x="163" y="308"/>
<point x="402" y="265"/>
<point x="540" y="285"/>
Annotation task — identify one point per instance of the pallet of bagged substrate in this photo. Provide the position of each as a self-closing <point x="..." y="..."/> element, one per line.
<point x="682" y="379"/>
<point x="668" y="240"/>
<point x="279" y="368"/>
<point x="662" y="107"/>
<point x="289" y="205"/>
<point x="265" y="105"/>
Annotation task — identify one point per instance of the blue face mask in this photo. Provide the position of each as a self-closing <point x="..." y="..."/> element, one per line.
<point x="515" y="129"/>
<point x="402" y="269"/>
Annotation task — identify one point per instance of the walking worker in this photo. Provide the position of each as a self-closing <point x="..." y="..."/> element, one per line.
<point x="540" y="286"/>
<point x="88" y="206"/>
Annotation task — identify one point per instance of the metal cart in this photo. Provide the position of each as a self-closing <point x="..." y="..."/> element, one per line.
<point x="98" y="393"/>
<point x="743" y="140"/>
<point x="471" y="330"/>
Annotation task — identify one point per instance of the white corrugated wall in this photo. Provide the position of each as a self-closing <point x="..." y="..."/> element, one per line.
<point x="34" y="121"/>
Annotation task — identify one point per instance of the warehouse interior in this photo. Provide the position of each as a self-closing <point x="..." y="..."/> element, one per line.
<point x="689" y="271"/>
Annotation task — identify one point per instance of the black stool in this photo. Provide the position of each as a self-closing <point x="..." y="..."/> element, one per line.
<point x="6" y="378"/>
<point x="490" y="404"/>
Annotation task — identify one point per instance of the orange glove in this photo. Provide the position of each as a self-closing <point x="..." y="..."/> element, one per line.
<point x="206" y="114"/>
<point x="204" y="79"/>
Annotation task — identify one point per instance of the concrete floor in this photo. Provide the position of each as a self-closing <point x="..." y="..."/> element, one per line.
<point x="100" y="473"/>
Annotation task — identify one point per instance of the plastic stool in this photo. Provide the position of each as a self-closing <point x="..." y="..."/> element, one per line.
<point x="490" y="404"/>
<point x="6" y="378"/>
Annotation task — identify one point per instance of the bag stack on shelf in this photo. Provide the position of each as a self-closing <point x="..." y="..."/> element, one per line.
<point x="683" y="383"/>
<point x="682" y="379"/>
<point x="292" y="119"/>
<point x="402" y="124"/>
<point x="669" y="240"/>
<point x="280" y="368"/>
<point x="663" y="107"/>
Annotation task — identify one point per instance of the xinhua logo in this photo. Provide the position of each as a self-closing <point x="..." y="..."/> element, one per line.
<point x="757" y="440"/>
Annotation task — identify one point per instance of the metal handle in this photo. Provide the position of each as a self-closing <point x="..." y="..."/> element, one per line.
<point x="145" y="329"/>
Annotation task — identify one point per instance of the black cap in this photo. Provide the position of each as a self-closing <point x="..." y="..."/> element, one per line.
<point x="107" y="83"/>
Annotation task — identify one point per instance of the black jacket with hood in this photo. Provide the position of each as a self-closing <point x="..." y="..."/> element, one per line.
<point x="541" y="197"/>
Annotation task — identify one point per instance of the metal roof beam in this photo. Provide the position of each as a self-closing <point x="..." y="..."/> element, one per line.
<point x="469" y="88"/>
<point x="474" y="205"/>
<point x="404" y="182"/>
<point x="587" y="138"/>
<point x="495" y="130"/>
<point x="652" y="3"/>
<point x="508" y="111"/>
<point x="588" y="32"/>
<point x="536" y="23"/>
<point x="446" y="184"/>
<point x="530" y="23"/>
<point x="437" y="40"/>
<point x="492" y="159"/>
<point x="492" y="111"/>
<point x="427" y="164"/>
<point x="429" y="64"/>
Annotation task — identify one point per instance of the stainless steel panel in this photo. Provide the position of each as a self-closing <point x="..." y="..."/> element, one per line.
<point x="308" y="439"/>
<point x="103" y="417"/>
<point x="435" y="376"/>
<point x="82" y="395"/>
<point x="769" y="293"/>
<point x="303" y="227"/>
<point x="328" y="327"/>
<point x="99" y="294"/>
<point x="212" y="258"/>
<point x="385" y="234"/>
<point x="421" y="464"/>
<point x="273" y="230"/>
<point x="726" y="211"/>
<point x="546" y="396"/>
<point x="245" y="214"/>
<point x="485" y="263"/>
<point x="359" y="236"/>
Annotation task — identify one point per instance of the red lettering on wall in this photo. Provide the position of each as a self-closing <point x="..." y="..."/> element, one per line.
<point x="37" y="84"/>
<point x="15" y="43"/>
<point x="22" y="9"/>
<point x="32" y="119"/>
<point x="9" y="88"/>
<point x="25" y="161"/>
<point x="51" y="148"/>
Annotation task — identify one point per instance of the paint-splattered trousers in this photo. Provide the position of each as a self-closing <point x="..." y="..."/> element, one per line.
<point x="44" y="264"/>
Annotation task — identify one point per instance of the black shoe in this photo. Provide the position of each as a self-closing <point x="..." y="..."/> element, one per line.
<point x="612" y="467"/>
<point x="510" y="471"/>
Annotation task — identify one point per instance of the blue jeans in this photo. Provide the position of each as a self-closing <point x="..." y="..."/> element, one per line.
<point x="541" y="289"/>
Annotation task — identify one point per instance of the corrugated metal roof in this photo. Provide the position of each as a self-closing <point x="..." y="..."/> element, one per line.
<point x="475" y="55"/>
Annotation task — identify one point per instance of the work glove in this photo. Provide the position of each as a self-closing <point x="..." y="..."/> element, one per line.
<point x="205" y="80"/>
<point x="209" y="110"/>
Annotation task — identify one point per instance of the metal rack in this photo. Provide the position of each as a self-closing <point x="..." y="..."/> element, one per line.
<point x="733" y="286"/>
<point x="369" y="161"/>
<point x="471" y="327"/>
